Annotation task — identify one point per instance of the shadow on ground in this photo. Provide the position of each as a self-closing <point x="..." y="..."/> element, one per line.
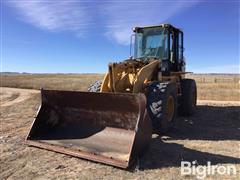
<point x="208" y="123"/>
<point x="162" y="154"/>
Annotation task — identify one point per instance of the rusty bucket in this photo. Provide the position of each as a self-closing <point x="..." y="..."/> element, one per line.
<point x="111" y="128"/>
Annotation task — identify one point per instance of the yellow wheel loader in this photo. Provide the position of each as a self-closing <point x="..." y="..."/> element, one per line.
<point x="114" y="121"/>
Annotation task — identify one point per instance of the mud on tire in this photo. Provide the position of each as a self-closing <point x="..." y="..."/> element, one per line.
<point x="95" y="87"/>
<point x="158" y="97"/>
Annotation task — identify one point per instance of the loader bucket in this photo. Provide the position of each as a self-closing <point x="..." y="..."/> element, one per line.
<point x="111" y="128"/>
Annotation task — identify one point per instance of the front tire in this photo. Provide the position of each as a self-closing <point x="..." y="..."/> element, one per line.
<point x="162" y="105"/>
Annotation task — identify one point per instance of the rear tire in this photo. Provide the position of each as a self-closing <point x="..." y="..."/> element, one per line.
<point x="95" y="87"/>
<point x="188" y="99"/>
<point x="162" y="105"/>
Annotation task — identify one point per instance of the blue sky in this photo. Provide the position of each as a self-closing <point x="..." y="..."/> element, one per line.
<point x="41" y="36"/>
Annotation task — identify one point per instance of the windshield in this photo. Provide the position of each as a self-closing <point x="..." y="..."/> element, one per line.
<point x="151" y="42"/>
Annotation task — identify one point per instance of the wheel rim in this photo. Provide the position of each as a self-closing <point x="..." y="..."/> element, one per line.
<point x="170" y="108"/>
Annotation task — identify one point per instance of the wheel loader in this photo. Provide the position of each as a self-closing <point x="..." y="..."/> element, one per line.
<point x="113" y="123"/>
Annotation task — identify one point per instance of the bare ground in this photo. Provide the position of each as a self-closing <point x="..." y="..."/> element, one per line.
<point x="212" y="134"/>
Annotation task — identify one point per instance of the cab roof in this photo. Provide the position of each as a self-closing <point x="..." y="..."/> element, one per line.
<point x="167" y="26"/>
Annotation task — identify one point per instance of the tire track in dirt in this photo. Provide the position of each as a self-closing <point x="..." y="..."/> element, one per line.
<point x="11" y="96"/>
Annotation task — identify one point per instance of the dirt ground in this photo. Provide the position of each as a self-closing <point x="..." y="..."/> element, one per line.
<point x="212" y="134"/>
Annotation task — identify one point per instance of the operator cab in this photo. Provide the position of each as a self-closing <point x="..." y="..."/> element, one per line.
<point x="163" y="42"/>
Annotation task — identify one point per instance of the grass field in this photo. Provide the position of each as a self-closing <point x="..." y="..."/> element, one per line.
<point x="210" y="87"/>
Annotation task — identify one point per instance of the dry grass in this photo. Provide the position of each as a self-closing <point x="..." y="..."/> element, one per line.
<point x="50" y="81"/>
<point x="210" y="87"/>
<point x="217" y="87"/>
